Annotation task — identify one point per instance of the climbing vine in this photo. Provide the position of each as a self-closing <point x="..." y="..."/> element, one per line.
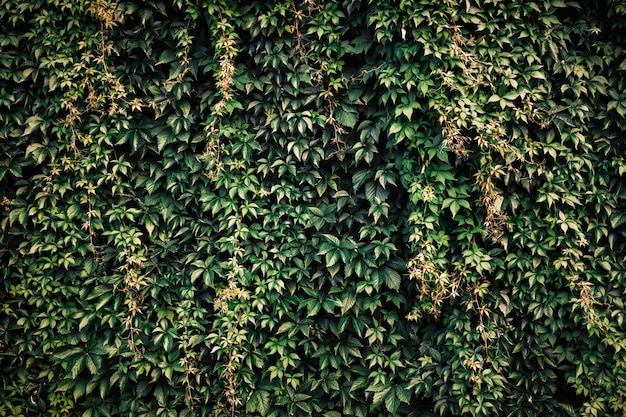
<point x="307" y="207"/>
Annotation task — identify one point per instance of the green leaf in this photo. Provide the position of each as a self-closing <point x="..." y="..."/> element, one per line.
<point x="67" y="352"/>
<point x="80" y="388"/>
<point x="77" y="366"/>
<point x="380" y="394"/>
<point x="32" y="123"/>
<point x="167" y="56"/>
<point x="332" y="239"/>
<point x="395" y="128"/>
<point x="19" y="215"/>
<point x="93" y="363"/>
<point x="163" y="137"/>
<point x="347" y="118"/>
<point x="184" y="107"/>
<point x="392" y="402"/>
<point x="391" y="277"/>
<point x="259" y="402"/>
<point x="160" y="394"/>
<point x="359" y="178"/>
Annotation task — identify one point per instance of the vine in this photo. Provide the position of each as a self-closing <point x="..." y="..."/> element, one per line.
<point x="228" y="341"/>
<point x="229" y="208"/>
<point x="226" y="51"/>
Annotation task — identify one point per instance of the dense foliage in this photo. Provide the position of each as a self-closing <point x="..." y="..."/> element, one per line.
<point x="312" y="207"/>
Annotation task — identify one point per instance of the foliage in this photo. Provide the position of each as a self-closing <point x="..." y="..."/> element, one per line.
<point x="355" y="208"/>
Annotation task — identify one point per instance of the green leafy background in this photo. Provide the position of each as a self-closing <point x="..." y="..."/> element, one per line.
<point x="310" y="207"/>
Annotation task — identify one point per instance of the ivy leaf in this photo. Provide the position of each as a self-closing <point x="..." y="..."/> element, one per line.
<point x="163" y="137"/>
<point x="77" y="366"/>
<point x="395" y="128"/>
<point x="167" y="56"/>
<point x="259" y="402"/>
<point x="347" y="118"/>
<point x="93" y="363"/>
<point x="67" y="352"/>
<point x="160" y="394"/>
<point x="359" y="178"/>
<point x="391" y="277"/>
<point x="380" y="393"/>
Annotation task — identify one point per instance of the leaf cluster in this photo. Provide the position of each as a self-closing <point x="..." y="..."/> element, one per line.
<point x="351" y="208"/>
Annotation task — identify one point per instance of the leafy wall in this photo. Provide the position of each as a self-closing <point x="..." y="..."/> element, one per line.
<point x="309" y="207"/>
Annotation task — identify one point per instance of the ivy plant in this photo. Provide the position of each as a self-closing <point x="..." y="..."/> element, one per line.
<point x="310" y="207"/>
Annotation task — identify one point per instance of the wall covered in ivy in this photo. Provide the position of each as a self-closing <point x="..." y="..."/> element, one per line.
<point x="312" y="207"/>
